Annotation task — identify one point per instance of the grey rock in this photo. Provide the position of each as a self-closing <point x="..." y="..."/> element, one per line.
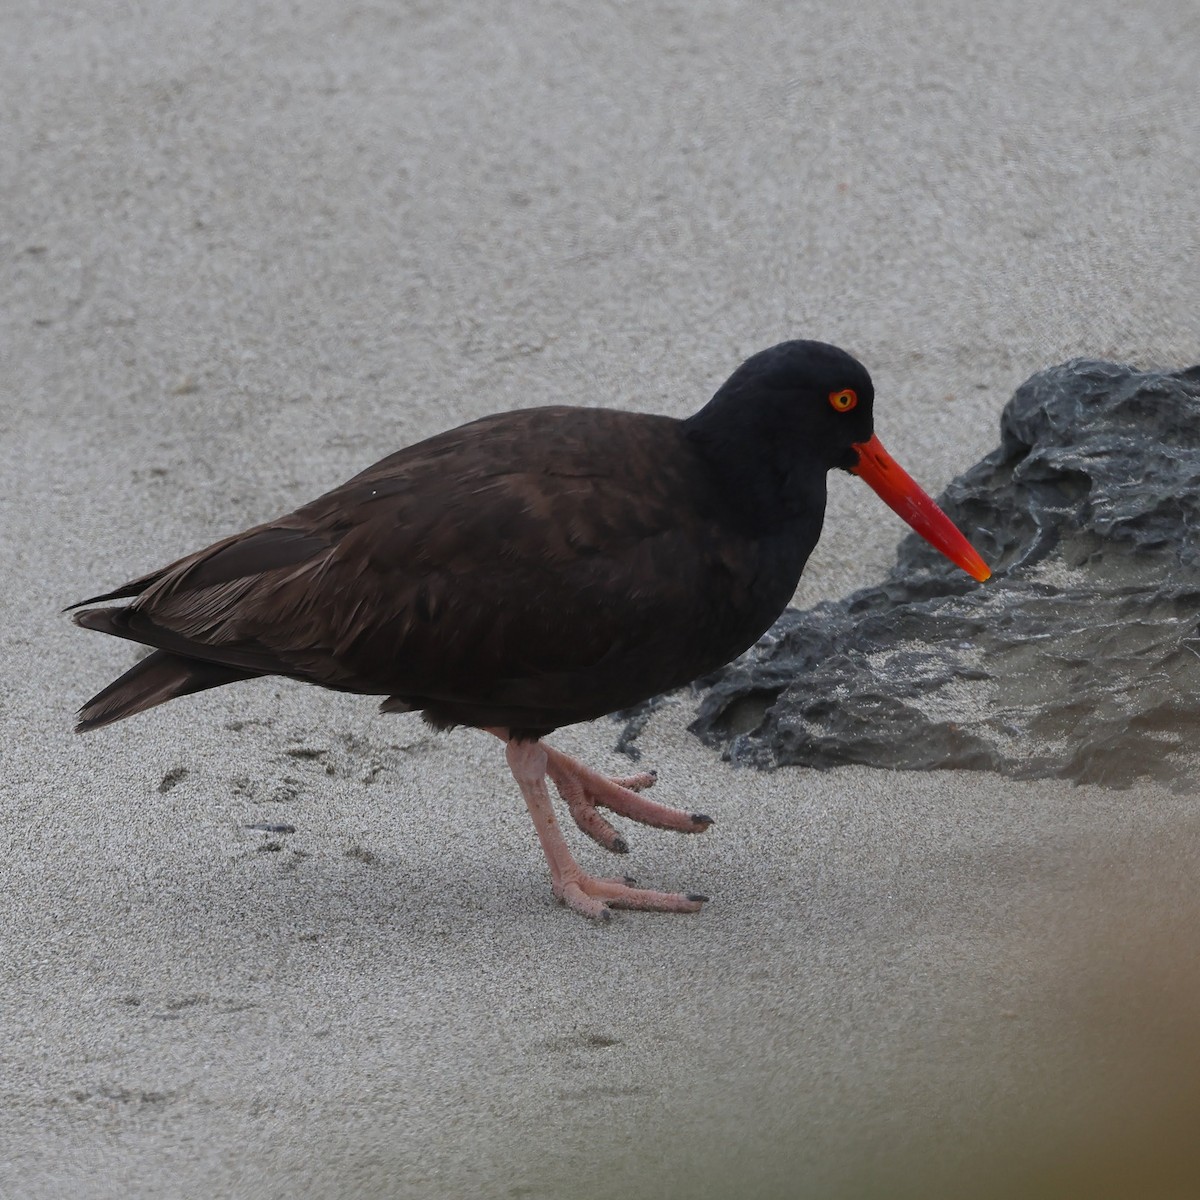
<point x="1079" y="659"/>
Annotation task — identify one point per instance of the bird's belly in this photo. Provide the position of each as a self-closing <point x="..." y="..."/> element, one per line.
<point x="710" y="624"/>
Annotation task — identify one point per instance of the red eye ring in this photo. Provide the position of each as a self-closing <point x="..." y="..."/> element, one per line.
<point x="844" y="400"/>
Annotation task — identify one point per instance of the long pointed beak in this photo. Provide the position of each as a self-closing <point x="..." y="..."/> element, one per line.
<point x="900" y="492"/>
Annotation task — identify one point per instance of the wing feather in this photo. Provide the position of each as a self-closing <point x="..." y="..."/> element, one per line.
<point x="508" y="562"/>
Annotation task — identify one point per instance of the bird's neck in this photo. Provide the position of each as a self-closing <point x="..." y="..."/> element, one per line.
<point x="767" y="485"/>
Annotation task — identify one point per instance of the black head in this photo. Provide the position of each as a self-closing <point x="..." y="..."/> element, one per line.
<point x="785" y="418"/>
<point x="802" y="400"/>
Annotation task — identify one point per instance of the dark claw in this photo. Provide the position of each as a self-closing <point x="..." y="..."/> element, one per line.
<point x="697" y="897"/>
<point x="620" y="846"/>
<point x="701" y="819"/>
<point x="629" y="879"/>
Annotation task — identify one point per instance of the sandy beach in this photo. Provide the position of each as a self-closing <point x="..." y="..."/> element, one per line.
<point x="266" y="942"/>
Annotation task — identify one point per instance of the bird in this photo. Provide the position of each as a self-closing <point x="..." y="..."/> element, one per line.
<point x="534" y="569"/>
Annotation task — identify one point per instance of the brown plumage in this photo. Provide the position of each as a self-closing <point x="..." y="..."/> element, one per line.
<point x="503" y="573"/>
<point x="525" y="571"/>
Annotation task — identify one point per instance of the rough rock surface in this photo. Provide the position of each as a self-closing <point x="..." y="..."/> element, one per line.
<point x="1079" y="659"/>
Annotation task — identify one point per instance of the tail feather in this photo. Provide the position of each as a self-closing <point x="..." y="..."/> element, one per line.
<point x="105" y="620"/>
<point x="135" y="587"/>
<point x="159" y="677"/>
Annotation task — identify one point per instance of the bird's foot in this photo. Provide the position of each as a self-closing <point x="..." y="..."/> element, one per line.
<point x="595" y="896"/>
<point x="585" y="790"/>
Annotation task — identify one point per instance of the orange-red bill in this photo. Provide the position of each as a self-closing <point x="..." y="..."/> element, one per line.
<point x="901" y="493"/>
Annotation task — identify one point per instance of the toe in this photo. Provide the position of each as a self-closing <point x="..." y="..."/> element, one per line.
<point x="650" y="901"/>
<point x="573" y="896"/>
<point x="637" y="783"/>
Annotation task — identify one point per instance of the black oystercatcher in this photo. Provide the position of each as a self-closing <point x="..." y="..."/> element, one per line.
<point x="530" y="570"/>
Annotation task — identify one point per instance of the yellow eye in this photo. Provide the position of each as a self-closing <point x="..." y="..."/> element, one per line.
<point x="844" y="400"/>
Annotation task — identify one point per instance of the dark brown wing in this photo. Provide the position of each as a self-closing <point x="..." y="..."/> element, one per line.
<point x="530" y="569"/>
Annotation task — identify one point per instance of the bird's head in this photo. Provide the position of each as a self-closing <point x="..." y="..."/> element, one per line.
<point x="805" y="396"/>
<point x="814" y="401"/>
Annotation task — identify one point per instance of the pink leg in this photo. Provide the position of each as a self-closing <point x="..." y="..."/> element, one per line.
<point x="587" y="894"/>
